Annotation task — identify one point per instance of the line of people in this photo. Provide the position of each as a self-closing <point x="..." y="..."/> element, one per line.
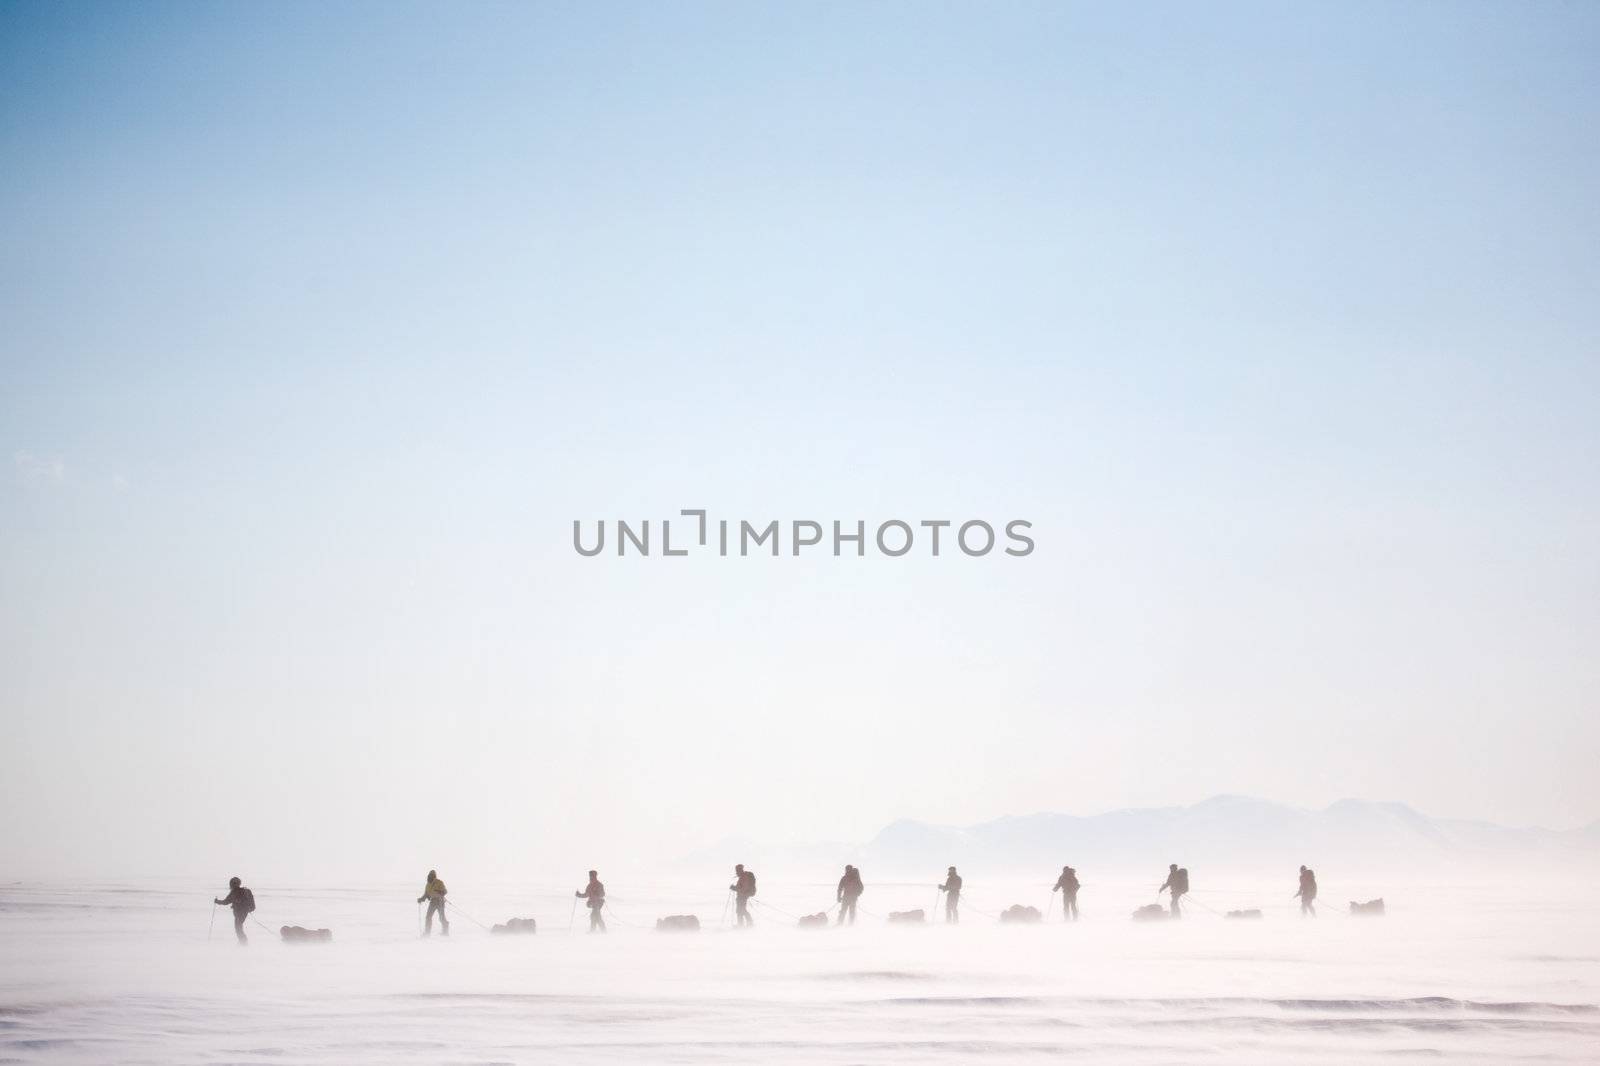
<point x="850" y="888"/>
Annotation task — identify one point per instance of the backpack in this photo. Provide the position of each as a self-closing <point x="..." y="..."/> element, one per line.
<point x="1183" y="880"/>
<point x="248" y="898"/>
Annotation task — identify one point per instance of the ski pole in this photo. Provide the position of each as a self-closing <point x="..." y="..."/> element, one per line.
<point x="722" y="921"/>
<point x="419" y="917"/>
<point x="213" y="924"/>
<point x="574" y="915"/>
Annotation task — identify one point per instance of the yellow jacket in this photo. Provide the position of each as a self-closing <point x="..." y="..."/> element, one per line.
<point x="435" y="889"/>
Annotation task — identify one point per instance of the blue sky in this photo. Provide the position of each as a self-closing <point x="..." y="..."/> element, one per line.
<point x="320" y="325"/>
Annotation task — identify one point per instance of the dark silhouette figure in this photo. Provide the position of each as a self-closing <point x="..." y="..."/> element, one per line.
<point x="1308" y="891"/>
<point x="1067" y="884"/>
<point x="1177" y="883"/>
<point x="850" y="889"/>
<point x="595" y="893"/>
<point x="743" y="887"/>
<point x="243" y="901"/>
<point x="434" y="892"/>
<point x="952" y="896"/>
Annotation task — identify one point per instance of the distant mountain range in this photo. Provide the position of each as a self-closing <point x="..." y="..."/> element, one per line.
<point x="1223" y="831"/>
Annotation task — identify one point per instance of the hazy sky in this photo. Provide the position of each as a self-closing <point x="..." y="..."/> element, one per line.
<point x="320" y="325"/>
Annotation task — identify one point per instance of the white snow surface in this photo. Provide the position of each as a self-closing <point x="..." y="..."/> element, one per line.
<point x="125" y="972"/>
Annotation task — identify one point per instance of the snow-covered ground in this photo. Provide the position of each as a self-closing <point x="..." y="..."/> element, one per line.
<point x="125" y="973"/>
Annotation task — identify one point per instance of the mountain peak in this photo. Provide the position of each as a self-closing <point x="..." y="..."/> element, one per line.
<point x="1226" y="829"/>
